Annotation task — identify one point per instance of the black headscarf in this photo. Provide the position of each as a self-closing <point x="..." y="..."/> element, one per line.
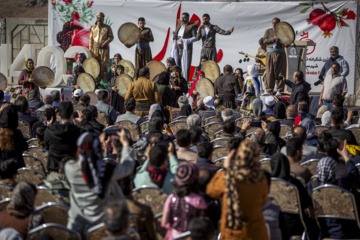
<point x="9" y="118"/>
<point x="164" y="78"/>
<point x="157" y="113"/>
<point x="274" y="127"/>
<point x="280" y="110"/>
<point x="280" y="166"/>
<point x="185" y="110"/>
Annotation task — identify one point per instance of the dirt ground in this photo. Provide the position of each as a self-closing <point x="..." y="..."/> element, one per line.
<point x="17" y="9"/>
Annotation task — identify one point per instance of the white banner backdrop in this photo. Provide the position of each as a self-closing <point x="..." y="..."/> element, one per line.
<point x="250" y="19"/>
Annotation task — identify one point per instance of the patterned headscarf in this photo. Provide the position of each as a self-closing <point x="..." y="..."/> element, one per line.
<point x="29" y="70"/>
<point x="171" y="60"/>
<point x="186" y="174"/>
<point x="95" y="171"/>
<point x="245" y="169"/>
<point x="326" y="170"/>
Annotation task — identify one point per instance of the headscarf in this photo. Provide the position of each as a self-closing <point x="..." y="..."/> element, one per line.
<point x="185" y="110"/>
<point x="194" y="83"/>
<point x="186" y="174"/>
<point x="118" y="55"/>
<point x="198" y="68"/>
<point x="326" y="170"/>
<point x="275" y="128"/>
<point x="257" y="106"/>
<point x="154" y="107"/>
<point x="245" y="169"/>
<point x="9" y="118"/>
<point x="325" y="118"/>
<point x="118" y="67"/>
<point x="280" y="110"/>
<point x="157" y="175"/>
<point x="82" y="55"/>
<point x="164" y="79"/>
<point x="310" y="127"/>
<point x="252" y="81"/>
<point x="178" y="69"/>
<point x="280" y="166"/>
<point x="171" y="60"/>
<point x="29" y="70"/>
<point x="95" y="171"/>
<point x="22" y="199"/>
<point x="321" y="111"/>
<point x="157" y="113"/>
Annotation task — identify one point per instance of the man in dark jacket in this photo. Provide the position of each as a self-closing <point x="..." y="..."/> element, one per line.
<point x="34" y="100"/>
<point x="299" y="88"/>
<point x="227" y="87"/>
<point x="24" y="111"/>
<point x="60" y="138"/>
<point x="337" y="131"/>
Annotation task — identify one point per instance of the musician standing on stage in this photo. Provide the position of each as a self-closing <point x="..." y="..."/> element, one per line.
<point x="207" y="33"/>
<point x="185" y="30"/>
<point x="143" y="50"/>
<point x="261" y="53"/>
<point x="275" y="60"/>
<point x="101" y="36"/>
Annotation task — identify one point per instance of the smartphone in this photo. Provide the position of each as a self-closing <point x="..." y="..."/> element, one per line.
<point x="162" y="143"/>
<point x="256" y="124"/>
<point x="111" y="132"/>
<point x="250" y="94"/>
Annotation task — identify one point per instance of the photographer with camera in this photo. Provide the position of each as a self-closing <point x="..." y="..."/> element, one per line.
<point x="334" y="83"/>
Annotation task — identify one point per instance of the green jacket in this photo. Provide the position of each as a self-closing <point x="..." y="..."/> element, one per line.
<point x="166" y="93"/>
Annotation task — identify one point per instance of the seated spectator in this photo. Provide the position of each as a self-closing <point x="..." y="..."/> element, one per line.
<point x="204" y="153"/>
<point x="325" y="119"/>
<point x="280" y="110"/>
<point x="194" y="120"/>
<point x="84" y="102"/>
<point x="34" y="100"/>
<point x="300" y="132"/>
<point x="142" y="212"/>
<point x="228" y="130"/>
<point x="273" y="217"/>
<point x="57" y="181"/>
<point x="320" y="112"/>
<point x="85" y="121"/>
<point x="311" y="138"/>
<point x="50" y="116"/>
<point x="234" y="143"/>
<point x="11" y="234"/>
<point x="336" y="122"/>
<point x="12" y="142"/>
<point x="20" y="213"/>
<point x="130" y="106"/>
<point x="294" y="154"/>
<point x="93" y="182"/>
<point x="200" y="106"/>
<point x="227" y="115"/>
<point x="156" y="125"/>
<point x="280" y="168"/>
<point x="196" y="133"/>
<point x="24" y="111"/>
<point x="269" y="103"/>
<point x="101" y="106"/>
<point x="185" y="108"/>
<point x="55" y="94"/>
<point x="235" y="187"/>
<point x="60" y="138"/>
<point x="40" y="134"/>
<point x="209" y="103"/>
<point x="274" y="129"/>
<point x="334" y="228"/>
<point x="338" y="102"/>
<point x="116" y="149"/>
<point x="258" y="136"/>
<point x="183" y="140"/>
<point x="201" y="229"/>
<point x="8" y="172"/>
<point x="185" y="203"/>
<point x="303" y="110"/>
<point x="48" y="101"/>
<point x="291" y="113"/>
<point x="116" y="220"/>
<point x="257" y="106"/>
<point x="323" y="137"/>
<point x="154" y="172"/>
<point x="97" y="126"/>
<point x="76" y="96"/>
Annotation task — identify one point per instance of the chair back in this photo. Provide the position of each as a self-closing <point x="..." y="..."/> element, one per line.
<point x="320" y="128"/>
<point x="177" y="125"/>
<point x="284" y="130"/>
<point x="356" y="132"/>
<point x="240" y="121"/>
<point x="110" y="160"/>
<point x="331" y="201"/>
<point x="219" y="152"/>
<point x="140" y="157"/>
<point x="4" y="203"/>
<point x="174" y="114"/>
<point x="220" y="141"/>
<point x="133" y="128"/>
<point x="152" y="197"/>
<point x="39" y="153"/>
<point x="45" y="195"/>
<point x="34" y="163"/>
<point x="211" y="119"/>
<point x="30" y="175"/>
<point x="39" y="114"/>
<point x="311" y="165"/>
<point x="96" y="232"/>
<point x="56" y="231"/>
<point x="25" y="128"/>
<point x="206" y="114"/>
<point x="53" y="212"/>
<point x="133" y="222"/>
<point x="32" y="111"/>
<point x="298" y="177"/>
<point x="265" y="164"/>
<point x="101" y="118"/>
<point x="220" y="161"/>
<point x="5" y="190"/>
<point x="143" y="126"/>
<point x="264" y="155"/>
<point x="32" y="141"/>
<point x="183" y="236"/>
<point x="212" y="128"/>
<point x="180" y="118"/>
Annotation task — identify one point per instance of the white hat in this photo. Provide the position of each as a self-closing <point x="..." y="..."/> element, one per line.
<point x="78" y="93"/>
<point x="209" y="102"/>
<point x="270" y="101"/>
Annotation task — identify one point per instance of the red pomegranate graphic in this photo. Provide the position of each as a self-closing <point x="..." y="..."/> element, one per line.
<point x="327" y="24"/>
<point x="316" y="16"/>
<point x="81" y="38"/>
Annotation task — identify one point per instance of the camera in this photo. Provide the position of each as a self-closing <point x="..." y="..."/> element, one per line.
<point x="318" y="82"/>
